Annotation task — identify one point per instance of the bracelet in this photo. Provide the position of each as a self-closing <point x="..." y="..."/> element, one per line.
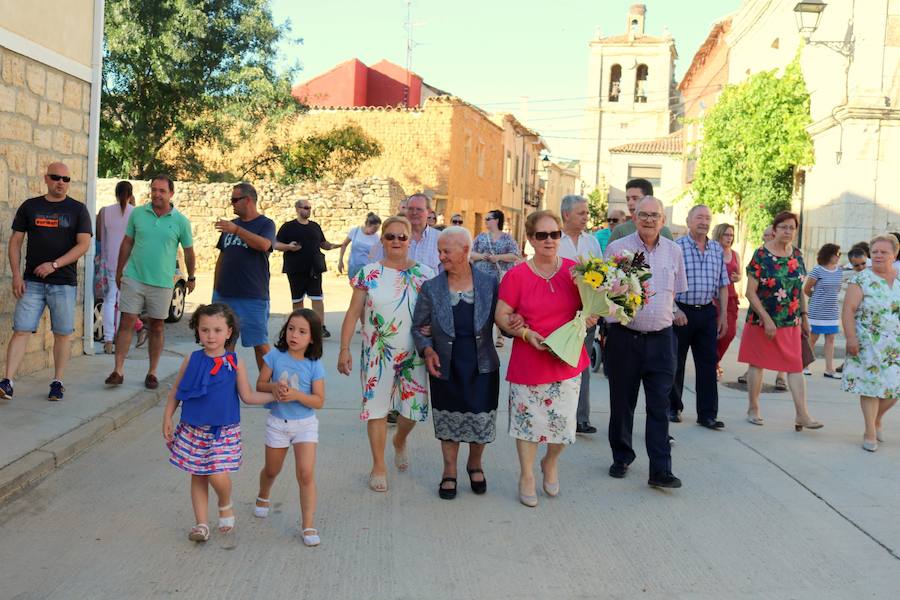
<point x="525" y="334"/>
<point x="192" y="278"/>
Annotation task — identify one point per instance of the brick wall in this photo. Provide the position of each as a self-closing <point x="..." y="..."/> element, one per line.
<point x="44" y="117"/>
<point x="337" y="208"/>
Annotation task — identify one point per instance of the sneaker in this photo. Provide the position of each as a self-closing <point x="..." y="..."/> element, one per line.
<point x="56" y="391"/>
<point x="325" y="332"/>
<point x="6" y="389"/>
<point x="585" y="428"/>
<point x="807" y="372"/>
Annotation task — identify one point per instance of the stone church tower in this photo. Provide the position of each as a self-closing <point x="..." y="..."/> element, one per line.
<point x="632" y="94"/>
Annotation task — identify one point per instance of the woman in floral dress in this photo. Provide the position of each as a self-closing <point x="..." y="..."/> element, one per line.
<point x="777" y="319"/>
<point x="871" y="319"/>
<point x="393" y="376"/>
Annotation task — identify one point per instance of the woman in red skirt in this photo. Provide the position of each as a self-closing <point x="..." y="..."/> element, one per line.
<point x="772" y="333"/>
<point x="724" y="234"/>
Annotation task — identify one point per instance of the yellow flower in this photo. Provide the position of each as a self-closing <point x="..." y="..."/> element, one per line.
<point x="593" y="279"/>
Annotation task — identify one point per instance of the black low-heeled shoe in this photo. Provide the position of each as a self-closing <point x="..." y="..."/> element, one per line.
<point x="447" y="493"/>
<point x="479" y="487"/>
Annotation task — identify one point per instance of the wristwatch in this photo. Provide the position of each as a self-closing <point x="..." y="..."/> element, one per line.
<point x="192" y="278"/>
<point x="55" y="265"/>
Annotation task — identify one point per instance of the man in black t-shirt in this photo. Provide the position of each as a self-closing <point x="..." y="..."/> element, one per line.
<point x="59" y="233"/>
<point x="302" y="242"/>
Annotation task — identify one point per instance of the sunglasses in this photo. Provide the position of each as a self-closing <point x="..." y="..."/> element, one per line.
<point x="490" y="218"/>
<point x="304" y="207"/>
<point x="543" y="235"/>
<point x="612" y="220"/>
<point x="456" y="222"/>
<point x="237" y="198"/>
<point x="395" y="236"/>
<point x="56" y="177"/>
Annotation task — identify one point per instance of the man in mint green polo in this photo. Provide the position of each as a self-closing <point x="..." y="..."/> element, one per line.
<point x="146" y="271"/>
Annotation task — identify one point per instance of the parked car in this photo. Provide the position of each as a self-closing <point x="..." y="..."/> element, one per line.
<point x="176" y="307"/>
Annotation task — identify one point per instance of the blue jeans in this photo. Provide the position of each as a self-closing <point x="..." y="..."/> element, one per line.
<point x="60" y="299"/>
<point x="253" y="317"/>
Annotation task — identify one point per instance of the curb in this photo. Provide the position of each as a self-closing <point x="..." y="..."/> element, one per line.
<point x="27" y="470"/>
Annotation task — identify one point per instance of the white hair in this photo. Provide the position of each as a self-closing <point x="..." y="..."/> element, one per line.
<point x="460" y="233"/>
<point x="568" y="202"/>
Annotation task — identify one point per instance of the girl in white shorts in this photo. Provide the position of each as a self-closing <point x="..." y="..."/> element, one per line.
<point x="294" y="374"/>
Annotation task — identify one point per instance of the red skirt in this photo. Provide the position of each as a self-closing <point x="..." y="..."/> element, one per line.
<point x="780" y="354"/>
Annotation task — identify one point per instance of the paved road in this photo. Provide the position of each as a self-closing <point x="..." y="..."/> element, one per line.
<point x="765" y="513"/>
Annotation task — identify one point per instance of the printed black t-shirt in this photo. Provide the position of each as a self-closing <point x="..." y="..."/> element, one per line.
<point x="51" y="230"/>
<point x="309" y="236"/>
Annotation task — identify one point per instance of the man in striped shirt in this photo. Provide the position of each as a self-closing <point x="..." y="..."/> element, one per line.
<point x="696" y="325"/>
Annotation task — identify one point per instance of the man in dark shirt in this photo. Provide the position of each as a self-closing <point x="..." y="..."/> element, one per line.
<point x="242" y="269"/>
<point x="302" y="242"/>
<point x="59" y="233"/>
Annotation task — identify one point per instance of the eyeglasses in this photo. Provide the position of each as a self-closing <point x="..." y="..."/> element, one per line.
<point x="56" y="177"/>
<point x="490" y="218"/>
<point x="410" y="209"/>
<point x="456" y="222"/>
<point x="304" y="207"/>
<point x="543" y="235"/>
<point x="237" y="198"/>
<point x="395" y="236"/>
<point x="645" y="216"/>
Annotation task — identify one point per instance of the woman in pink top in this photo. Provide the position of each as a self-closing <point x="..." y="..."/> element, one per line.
<point x="543" y="390"/>
<point x="111" y="222"/>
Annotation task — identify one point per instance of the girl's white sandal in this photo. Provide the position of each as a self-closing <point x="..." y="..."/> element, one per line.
<point x="226" y="524"/>
<point x="261" y="511"/>
<point x="199" y="533"/>
<point x="313" y="538"/>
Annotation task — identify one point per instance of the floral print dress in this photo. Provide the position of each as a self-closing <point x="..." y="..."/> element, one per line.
<point x="393" y="375"/>
<point x="780" y="285"/>
<point x="875" y="371"/>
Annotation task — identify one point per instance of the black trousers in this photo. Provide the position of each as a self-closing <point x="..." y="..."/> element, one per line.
<point x="700" y="335"/>
<point x="633" y="359"/>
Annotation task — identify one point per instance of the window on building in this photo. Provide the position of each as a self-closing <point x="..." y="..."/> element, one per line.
<point x="508" y="167"/>
<point x="615" y="82"/>
<point x="652" y="173"/>
<point x="467" y="150"/>
<point x="479" y="158"/>
<point x="516" y="179"/>
<point x="640" y="84"/>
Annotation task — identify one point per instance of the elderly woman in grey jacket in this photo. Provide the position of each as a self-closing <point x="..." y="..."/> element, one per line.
<point x="452" y="330"/>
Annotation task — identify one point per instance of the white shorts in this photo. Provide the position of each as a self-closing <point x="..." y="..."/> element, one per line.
<point x="284" y="433"/>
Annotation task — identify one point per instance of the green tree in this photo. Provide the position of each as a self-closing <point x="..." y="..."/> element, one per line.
<point x="753" y="139"/>
<point x="336" y="153"/>
<point x="598" y="204"/>
<point x="184" y="73"/>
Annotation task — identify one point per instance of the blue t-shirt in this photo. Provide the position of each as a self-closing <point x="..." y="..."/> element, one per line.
<point x="244" y="272"/>
<point x="299" y="374"/>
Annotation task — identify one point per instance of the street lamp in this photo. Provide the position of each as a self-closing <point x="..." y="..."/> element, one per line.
<point x="808" y="14"/>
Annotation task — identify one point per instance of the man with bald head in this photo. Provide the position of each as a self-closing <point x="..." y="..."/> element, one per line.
<point x="643" y="351"/>
<point x="59" y="233"/>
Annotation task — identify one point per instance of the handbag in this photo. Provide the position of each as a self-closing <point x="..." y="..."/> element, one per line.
<point x="806" y="350"/>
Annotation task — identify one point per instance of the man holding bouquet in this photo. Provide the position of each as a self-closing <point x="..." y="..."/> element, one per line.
<point x="643" y="351"/>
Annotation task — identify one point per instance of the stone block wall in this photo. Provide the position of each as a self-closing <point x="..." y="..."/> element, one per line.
<point x="44" y="117"/>
<point x="337" y="208"/>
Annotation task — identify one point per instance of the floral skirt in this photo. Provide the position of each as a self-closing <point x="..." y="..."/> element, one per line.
<point x="544" y="413"/>
<point x="207" y="449"/>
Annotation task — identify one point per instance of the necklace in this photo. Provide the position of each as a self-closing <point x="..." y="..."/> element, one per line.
<point x="540" y="273"/>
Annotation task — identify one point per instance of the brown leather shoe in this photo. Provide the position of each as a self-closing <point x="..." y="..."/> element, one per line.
<point x="115" y="379"/>
<point x="151" y="382"/>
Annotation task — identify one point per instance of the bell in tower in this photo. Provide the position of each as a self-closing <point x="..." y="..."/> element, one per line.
<point x="636" y="15"/>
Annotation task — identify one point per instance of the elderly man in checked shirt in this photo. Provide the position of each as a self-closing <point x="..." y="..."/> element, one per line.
<point x="696" y="325"/>
<point x="644" y="350"/>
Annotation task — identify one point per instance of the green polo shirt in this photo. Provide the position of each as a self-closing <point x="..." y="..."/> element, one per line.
<point x="155" y="253"/>
<point x="629" y="227"/>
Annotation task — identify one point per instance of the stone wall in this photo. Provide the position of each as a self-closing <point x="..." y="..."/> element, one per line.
<point x="44" y="116"/>
<point x="337" y="208"/>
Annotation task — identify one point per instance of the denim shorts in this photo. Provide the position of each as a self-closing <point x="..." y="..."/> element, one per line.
<point x="253" y="317"/>
<point x="60" y="299"/>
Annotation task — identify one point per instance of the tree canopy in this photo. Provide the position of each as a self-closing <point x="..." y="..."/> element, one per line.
<point x="178" y="74"/>
<point x="336" y="153"/>
<point x="753" y="139"/>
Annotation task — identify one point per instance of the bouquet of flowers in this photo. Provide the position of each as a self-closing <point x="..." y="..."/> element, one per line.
<point x="614" y="287"/>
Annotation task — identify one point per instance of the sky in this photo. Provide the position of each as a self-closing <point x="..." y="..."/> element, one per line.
<point x="491" y="53"/>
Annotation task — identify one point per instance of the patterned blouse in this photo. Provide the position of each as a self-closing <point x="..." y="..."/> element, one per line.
<point x="780" y="285"/>
<point x="484" y="244"/>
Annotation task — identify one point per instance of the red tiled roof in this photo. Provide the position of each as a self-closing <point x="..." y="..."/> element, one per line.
<point x="671" y="144"/>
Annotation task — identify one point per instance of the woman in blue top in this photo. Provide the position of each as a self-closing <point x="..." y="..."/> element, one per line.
<point x="207" y="441"/>
<point x="823" y="284"/>
<point x="294" y="374"/>
<point x="362" y="240"/>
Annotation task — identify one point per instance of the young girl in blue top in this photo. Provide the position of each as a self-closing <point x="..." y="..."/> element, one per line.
<point x="207" y="441"/>
<point x="295" y="376"/>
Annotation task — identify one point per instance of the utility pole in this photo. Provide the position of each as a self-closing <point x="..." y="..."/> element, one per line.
<point x="409" y="50"/>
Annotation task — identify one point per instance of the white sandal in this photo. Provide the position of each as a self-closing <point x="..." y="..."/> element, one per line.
<point x="261" y="511"/>
<point x="199" y="533"/>
<point x="226" y="524"/>
<point x="313" y="538"/>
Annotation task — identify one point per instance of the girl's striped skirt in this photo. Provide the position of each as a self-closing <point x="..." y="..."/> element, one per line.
<point x="206" y="449"/>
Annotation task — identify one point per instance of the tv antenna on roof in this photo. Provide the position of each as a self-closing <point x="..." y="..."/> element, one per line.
<point x="410" y="44"/>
